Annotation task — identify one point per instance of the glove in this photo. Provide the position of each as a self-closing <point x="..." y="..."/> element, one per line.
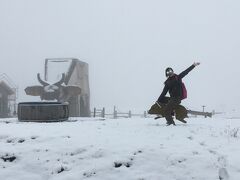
<point x="196" y="63"/>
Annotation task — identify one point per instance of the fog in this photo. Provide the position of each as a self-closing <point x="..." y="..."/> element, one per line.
<point x="128" y="44"/>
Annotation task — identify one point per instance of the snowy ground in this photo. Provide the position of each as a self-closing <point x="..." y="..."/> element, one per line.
<point x="126" y="149"/>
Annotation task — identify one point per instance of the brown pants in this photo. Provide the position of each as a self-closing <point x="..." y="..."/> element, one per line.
<point x="170" y="107"/>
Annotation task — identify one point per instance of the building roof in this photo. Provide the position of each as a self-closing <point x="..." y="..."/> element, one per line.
<point x="4" y="85"/>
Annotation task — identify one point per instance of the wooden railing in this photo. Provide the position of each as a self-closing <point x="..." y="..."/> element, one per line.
<point x="199" y="113"/>
<point x="117" y="114"/>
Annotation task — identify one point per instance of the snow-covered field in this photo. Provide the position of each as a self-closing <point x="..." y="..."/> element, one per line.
<point x="120" y="149"/>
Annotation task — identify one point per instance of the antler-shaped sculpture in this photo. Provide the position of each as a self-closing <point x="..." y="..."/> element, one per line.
<point x="56" y="91"/>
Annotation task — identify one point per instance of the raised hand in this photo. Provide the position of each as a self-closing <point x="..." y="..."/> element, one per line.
<point x="196" y="63"/>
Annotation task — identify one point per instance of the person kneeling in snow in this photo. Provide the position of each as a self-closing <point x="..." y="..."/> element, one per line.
<point x="176" y="89"/>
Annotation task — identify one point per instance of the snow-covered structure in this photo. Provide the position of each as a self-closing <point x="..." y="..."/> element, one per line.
<point x="78" y="75"/>
<point x="8" y="96"/>
<point x="73" y="86"/>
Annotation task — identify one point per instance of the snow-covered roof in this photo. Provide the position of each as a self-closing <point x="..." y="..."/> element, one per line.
<point x="4" y="85"/>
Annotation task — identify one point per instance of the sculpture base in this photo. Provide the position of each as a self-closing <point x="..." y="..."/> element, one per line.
<point x="43" y="112"/>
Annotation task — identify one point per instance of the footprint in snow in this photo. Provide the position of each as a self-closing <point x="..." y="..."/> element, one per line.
<point x="14" y="140"/>
<point x="195" y="153"/>
<point x="178" y="161"/>
<point x="202" y="143"/>
<point x="10" y="140"/>
<point x="89" y="174"/>
<point x="60" y="169"/>
<point x="128" y="164"/>
<point x="8" y="158"/>
<point x="120" y="164"/>
<point x="78" y="151"/>
<point x="190" y="138"/>
<point x="137" y="152"/>
<point x="34" y="137"/>
<point x="212" y="152"/>
<point x="21" y="140"/>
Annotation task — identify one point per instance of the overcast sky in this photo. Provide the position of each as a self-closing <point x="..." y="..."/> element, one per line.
<point x="128" y="44"/>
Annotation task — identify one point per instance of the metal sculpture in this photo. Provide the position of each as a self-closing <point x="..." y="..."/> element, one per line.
<point x="73" y="86"/>
<point x="57" y="91"/>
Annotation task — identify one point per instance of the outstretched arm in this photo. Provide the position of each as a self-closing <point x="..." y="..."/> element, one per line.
<point x="184" y="73"/>
<point x="163" y="94"/>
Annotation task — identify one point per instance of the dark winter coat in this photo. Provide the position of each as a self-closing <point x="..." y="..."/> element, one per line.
<point x="173" y="85"/>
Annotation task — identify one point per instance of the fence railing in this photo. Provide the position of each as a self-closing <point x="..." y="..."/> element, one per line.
<point x="117" y="114"/>
<point x="199" y="113"/>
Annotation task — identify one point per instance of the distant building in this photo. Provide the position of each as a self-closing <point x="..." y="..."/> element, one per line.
<point x="7" y="97"/>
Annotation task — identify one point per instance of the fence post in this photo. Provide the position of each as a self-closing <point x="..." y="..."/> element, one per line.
<point x="103" y="113"/>
<point x="129" y="114"/>
<point x="94" y="112"/>
<point x="114" y="113"/>
<point x="145" y="114"/>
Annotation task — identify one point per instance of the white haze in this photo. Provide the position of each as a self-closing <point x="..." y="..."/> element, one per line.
<point x="128" y="44"/>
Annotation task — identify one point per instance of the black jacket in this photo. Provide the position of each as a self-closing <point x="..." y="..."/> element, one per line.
<point x="173" y="85"/>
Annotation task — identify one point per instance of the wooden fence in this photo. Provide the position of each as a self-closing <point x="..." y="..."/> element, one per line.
<point x="199" y="113"/>
<point x="116" y="114"/>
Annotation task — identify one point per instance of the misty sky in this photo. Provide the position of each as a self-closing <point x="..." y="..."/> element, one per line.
<point x="128" y="44"/>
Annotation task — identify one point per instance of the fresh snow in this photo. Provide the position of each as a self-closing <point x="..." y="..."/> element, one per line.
<point x="120" y="149"/>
